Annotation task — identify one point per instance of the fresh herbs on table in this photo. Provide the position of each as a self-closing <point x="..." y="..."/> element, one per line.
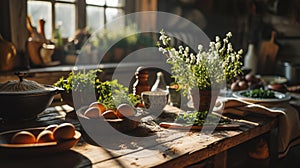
<point x="78" y="80"/>
<point x="110" y="93"/>
<point x="259" y="93"/>
<point x="199" y="118"/>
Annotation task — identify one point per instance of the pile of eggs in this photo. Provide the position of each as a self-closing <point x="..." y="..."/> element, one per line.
<point x="97" y="110"/>
<point x="247" y="82"/>
<point x="52" y="133"/>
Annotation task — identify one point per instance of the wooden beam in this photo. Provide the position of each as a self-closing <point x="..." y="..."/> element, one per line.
<point x="18" y="12"/>
<point x="5" y="21"/>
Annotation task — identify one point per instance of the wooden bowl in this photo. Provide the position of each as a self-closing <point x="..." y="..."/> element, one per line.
<point x="103" y="125"/>
<point x="7" y="148"/>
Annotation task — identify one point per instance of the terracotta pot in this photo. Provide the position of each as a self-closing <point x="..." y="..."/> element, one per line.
<point x="8" y="55"/>
<point x="79" y="99"/>
<point x="204" y="100"/>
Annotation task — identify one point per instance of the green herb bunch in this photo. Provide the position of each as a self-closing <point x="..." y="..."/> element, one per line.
<point x="199" y="118"/>
<point x="259" y="93"/>
<point x="110" y="93"/>
<point x="202" y="69"/>
<point x="77" y="81"/>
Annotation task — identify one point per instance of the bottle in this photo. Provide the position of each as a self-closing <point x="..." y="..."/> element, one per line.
<point x="141" y="83"/>
<point x="160" y="83"/>
<point x="250" y="60"/>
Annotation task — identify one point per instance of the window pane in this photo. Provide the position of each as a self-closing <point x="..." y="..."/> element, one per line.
<point x="112" y="13"/>
<point x="95" y="2"/>
<point x="65" y="15"/>
<point x="115" y="3"/>
<point x="95" y="17"/>
<point x="40" y="10"/>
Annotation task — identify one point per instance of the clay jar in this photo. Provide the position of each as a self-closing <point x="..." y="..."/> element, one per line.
<point x="204" y="99"/>
<point x="8" y="55"/>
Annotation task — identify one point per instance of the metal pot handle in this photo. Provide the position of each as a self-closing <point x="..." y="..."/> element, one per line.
<point x="21" y="75"/>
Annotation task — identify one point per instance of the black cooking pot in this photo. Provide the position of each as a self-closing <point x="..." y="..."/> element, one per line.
<point x="292" y="72"/>
<point x="25" y="99"/>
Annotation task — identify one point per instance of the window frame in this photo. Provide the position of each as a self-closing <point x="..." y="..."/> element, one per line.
<point x="80" y="11"/>
<point x="105" y="7"/>
<point x="53" y="2"/>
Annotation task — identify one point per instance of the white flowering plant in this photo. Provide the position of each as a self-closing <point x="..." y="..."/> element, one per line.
<point x="202" y="69"/>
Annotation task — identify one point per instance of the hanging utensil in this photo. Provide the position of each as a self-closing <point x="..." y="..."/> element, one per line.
<point x="267" y="56"/>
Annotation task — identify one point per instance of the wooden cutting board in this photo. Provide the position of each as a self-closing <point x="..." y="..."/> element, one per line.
<point x="267" y="56"/>
<point x="170" y="125"/>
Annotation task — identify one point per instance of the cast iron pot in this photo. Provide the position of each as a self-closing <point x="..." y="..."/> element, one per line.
<point x="292" y="72"/>
<point x="17" y="104"/>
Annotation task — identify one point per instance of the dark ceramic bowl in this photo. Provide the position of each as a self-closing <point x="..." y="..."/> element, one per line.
<point x="26" y="105"/>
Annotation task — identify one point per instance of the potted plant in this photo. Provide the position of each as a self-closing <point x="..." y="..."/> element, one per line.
<point x="77" y="82"/>
<point x="87" y="88"/>
<point x="201" y="74"/>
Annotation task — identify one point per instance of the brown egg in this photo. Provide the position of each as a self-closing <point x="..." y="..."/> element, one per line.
<point x="23" y="137"/>
<point x="45" y="136"/>
<point x="243" y="85"/>
<point x="51" y="127"/>
<point x="99" y="105"/>
<point x="92" y="112"/>
<point x="251" y="78"/>
<point x="235" y="86"/>
<point x="64" y="131"/>
<point x="110" y="114"/>
<point x="125" y="110"/>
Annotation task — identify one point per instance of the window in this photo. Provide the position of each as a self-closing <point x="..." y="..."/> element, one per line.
<point x="100" y="12"/>
<point x="62" y="14"/>
<point x="57" y="14"/>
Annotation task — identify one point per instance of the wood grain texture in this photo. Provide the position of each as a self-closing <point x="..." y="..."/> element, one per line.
<point x="164" y="148"/>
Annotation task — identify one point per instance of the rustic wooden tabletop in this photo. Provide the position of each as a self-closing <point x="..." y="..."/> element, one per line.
<point x="149" y="145"/>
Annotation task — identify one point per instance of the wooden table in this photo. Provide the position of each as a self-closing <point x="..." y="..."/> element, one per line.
<point x="164" y="148"/>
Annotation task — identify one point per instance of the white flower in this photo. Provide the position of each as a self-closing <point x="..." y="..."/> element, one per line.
<point x="162" y="50"/>
<point x="240" y="52"/>
<point x="187" y="49"/>
<point x="232" y="56"/>
<point x="229" y="48"/>
<point x="225" y="40"/>
<point x="200" y="47"/>
<point x="198" y="58"/>
<point x="187" y="60"/>
<point x="218" y="45"/>
<point x="193" y="58"/>
<point x="172" y="52"/>
<point x="229" y="34"/>
<point x="180" y="47"/>
<point x="212" y="45"/>
<point x="165" y="41"/>
<point x="216" y="55"/>
<point x="217" y="39"/>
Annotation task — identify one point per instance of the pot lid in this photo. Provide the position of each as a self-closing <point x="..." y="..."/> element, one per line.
<point x="22" y="86"/>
